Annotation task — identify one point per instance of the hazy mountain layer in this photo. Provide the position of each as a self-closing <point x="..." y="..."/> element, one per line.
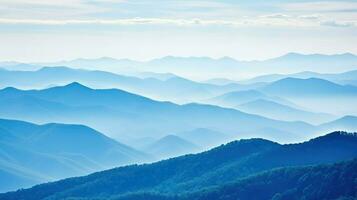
<point x="278" y="111"/>
<point x="172" y="87"/>
<point x="342" y="78"/>
<point x="32" y="154"/>
<point x="126" y="115"/>
<point x="204" y="67"/>
<point x="171" y="146"/>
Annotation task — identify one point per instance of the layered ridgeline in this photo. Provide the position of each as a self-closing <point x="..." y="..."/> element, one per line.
<point x="204" y="67"/>
<point x="158" y="86"/>
<point x="278" y="111"/>
<point x="300" y="99"/>
<point x="314" y="95"/>
<point x="31" y="154"/>
<point x="127" y="116"/>
<point x="274" y="107"/>
<point x="237" y="170"/>
<point x="349" y="77"/>
<point x="311" y="87"/>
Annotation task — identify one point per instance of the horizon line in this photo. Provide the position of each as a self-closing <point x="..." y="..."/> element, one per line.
<point x="177" y="56"/>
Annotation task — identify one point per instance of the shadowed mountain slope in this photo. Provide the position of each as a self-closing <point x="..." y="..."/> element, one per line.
<point x="31" y="154"/>
<point x="192" y="173"/>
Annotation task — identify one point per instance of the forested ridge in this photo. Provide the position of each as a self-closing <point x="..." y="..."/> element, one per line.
<point x="244" y="169"/>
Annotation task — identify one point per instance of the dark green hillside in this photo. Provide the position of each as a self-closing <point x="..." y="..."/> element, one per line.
<point x="192" y="173"/>
<point x="335" y="181"/>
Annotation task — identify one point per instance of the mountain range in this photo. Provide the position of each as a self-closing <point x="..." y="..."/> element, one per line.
<point x="32" y="154"/>
<point x="313" y="94"/>
<point x="233" y="99"/>
<point x="278" y="111"/>
<point x="348" y="77"/>
<point x="152" y="85"/>
<point x="67" y="107"/>
<point x="237" y="170"/>
<point x="311" y="87"/>
<point x="204" y="67"/>
<point x="118" y="113"/>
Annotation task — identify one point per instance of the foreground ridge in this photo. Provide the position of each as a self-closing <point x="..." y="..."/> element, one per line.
<point x="236" y="162"/>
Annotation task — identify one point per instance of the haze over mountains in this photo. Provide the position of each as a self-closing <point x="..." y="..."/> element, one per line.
<point x="182" y="90"/>
<point x="223" y="67"/>
<point x="167" y="89"/>
<point x="348" y="77"/>
<point x="278" y="111"/>
<point x="118" y="113"/>
<point x="178" y="100"/>
<point x="204" y="68"/>
<point x="312" y="87"/>
<point x="148" y="111"/>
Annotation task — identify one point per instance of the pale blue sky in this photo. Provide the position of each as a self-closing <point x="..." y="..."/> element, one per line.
<point x="36" y="30"/>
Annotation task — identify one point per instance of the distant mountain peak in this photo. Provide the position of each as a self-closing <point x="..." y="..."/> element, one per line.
<point x="295" y="55"/>
<point x="227" y="58"/>
<point x="334" y="135"/>
<point x="292" y="54"/>
<point x="75" y="85"/>
<point x="47" y="68"/>
<point x="342" y="133"/>
<point x="172" y="138"/>
<point x="348" y="118"/>
<point x="10" y="89"/>
<point x="292" y="79"/>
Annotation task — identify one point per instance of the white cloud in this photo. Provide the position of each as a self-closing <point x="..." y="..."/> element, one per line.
<point x="40" y="9"/>
<point x="151" y="21"/>
<point x="322" y="6"/>
<point x="265" y="20"/>
<point x="84" y="12"/>
<point x="132" y="21"/>
<point x="277" y="16"/>
<point x="339" y="24"/>
<point x="311" y="17"/>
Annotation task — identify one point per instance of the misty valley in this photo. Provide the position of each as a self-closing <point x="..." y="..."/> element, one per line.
<point x="178" y="100"/>
<point x="143" y="135"/>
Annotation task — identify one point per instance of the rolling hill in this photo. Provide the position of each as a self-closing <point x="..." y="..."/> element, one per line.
<point x="284" y="183"/>
<point x="224" y="168"/>
<point x="171" y="146"/>
<point x="31" y="154"/>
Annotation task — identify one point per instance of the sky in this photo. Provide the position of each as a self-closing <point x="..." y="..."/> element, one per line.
<point x="43" y="31"/>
